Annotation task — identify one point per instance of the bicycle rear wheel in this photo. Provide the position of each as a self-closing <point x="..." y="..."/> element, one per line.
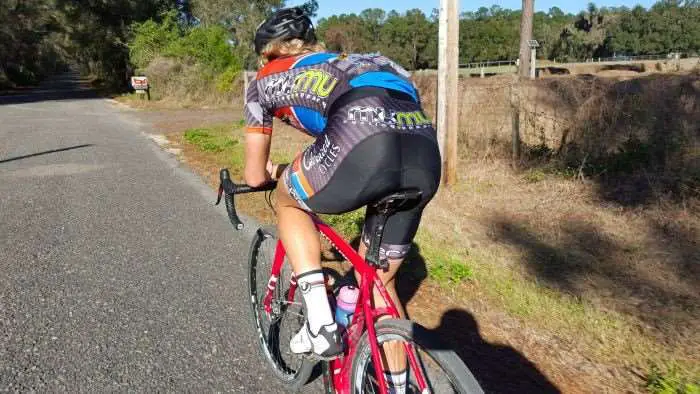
<point x="276" y="330"/>
<point x="443" y="370"/>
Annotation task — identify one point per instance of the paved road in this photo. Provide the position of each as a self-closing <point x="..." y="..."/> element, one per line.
<point x="116" y="272"/>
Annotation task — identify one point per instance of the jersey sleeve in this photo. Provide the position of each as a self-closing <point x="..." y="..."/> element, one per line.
<point x="258" y="119"/>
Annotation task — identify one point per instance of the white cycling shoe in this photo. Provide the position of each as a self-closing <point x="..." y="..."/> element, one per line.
<point x="326" y="345"/>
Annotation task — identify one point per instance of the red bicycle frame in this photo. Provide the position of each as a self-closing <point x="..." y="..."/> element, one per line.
<point x="341" y="367"/>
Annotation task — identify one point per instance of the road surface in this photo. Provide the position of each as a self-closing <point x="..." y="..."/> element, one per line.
<point x="116" y="272"/>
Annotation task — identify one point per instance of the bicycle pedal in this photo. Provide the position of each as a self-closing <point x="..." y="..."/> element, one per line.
<point x="317" y="357"/>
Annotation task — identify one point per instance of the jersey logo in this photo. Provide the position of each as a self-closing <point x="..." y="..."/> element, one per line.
<point x="316" y="82"/>
<point x="279" y="86"/>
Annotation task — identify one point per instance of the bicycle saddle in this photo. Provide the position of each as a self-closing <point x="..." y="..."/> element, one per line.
<point x="399" y="201"/>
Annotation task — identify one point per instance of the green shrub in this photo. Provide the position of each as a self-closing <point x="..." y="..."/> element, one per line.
<point x="207" y="45"/>
<point x="225" y="80"/>
<point x="192" y="64"/>
<point x="150" y="38"/>
<point x="670" y="382"/>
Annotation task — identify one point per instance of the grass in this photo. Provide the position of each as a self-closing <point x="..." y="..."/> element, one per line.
<point x="446" y="268"/>
<point x="534" y="176"/>
<point x="670" y="382"/>
<point x="539" y="174"/>
<point x="606" y="334"/>
<point x="209" y="141"/>
<point x="348" y="224"/>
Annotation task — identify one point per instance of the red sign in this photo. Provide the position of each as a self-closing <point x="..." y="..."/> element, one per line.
<point x="139" y="83"/>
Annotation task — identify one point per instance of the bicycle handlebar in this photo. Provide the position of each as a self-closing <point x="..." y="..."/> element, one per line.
<point x="228" y="190"/>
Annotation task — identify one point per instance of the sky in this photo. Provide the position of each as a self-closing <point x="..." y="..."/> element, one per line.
<point x="333" y="7"/>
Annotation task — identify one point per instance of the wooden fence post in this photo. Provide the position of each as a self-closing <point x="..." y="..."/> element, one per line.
<point x="448" y="89"/>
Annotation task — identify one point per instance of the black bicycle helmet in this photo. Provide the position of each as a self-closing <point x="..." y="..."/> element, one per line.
<point x="285" y="24"/>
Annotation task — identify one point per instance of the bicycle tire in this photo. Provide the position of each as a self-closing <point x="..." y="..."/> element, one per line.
<point x="456" y="372"/>
<point x="292" y="370"/>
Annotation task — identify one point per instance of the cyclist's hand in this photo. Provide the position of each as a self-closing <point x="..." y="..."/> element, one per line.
<point x="279" y="169"/>
<point x="275" y="170"/>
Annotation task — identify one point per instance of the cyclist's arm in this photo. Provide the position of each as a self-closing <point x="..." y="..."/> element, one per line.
<point x="258" y="138"/>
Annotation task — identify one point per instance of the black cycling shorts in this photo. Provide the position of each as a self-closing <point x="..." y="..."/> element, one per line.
<point x="376" y="142"/>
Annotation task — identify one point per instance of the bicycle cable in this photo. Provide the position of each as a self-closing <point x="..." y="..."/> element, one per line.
<point x="268" y="199"/>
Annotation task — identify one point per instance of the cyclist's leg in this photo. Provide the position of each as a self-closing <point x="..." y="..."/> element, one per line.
<point x="334" y="175"/>
<point x="397" y="366"/>
<point x="301" y="241"/>
<point x="298" y="233"/>
<point x="398" y="235"/>
<point x="421" y="170"/>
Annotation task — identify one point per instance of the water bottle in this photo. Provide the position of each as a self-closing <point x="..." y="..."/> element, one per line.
<point x="345" y="305"/>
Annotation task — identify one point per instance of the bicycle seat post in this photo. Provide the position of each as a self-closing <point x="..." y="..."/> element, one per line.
<point x="387" y="206"/>
<point x="375" y="241"/>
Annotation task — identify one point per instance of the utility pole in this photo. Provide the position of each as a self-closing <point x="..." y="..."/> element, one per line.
<point x="448" y="89"/>
<point x="525" y="36"/>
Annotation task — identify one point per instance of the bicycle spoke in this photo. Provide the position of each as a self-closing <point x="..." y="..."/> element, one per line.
<point x="277" y="328"/>
<point x="434" y="374"/>
<point x="372" y="384"/>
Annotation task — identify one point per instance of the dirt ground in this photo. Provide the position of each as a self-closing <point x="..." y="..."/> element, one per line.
<point x="558" y="233"/>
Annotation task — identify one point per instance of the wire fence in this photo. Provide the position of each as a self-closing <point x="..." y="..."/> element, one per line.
<point x="501" y="117"/>
<point x="491" y="64"/>
<point x="623" y="58"/>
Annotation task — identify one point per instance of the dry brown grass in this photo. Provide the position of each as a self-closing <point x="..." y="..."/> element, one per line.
<point x="605" y="206"/>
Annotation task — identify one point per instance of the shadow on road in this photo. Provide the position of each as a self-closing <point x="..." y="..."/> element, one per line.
<point x="498" y="368"/>
<point x="44" y="153"/>
<point x="587" y="262"/>
<point x="68" y="86"/>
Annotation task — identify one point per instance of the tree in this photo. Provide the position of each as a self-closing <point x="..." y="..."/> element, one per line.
<point x="346" y="33"/>
<point x="407" y="39"/>
<point x="31" y="41"/>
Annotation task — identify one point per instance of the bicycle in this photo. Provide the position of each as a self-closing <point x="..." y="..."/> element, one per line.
<point x="278" y="313"/>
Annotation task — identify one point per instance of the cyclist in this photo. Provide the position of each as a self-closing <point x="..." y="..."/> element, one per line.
<point x="372" y="139"/>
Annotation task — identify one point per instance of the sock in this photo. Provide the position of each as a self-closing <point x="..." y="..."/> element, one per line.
<point x="316" y="307"/>
<point x="396" y="381"/>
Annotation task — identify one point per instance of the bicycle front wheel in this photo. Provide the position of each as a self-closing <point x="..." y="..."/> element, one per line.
<point x="442" y="369"/>
<point x="274" y="331"/>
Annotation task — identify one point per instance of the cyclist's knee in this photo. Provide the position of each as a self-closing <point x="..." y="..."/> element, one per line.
<point x="388" y="277"/>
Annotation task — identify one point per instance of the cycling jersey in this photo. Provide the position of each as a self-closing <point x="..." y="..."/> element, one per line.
<point x="372" y="136"/>
<point x="300" y="90"/>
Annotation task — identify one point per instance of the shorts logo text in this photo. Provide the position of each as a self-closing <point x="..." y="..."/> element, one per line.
<point x="323" y="156"/>
<point x="382" y="117"/>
